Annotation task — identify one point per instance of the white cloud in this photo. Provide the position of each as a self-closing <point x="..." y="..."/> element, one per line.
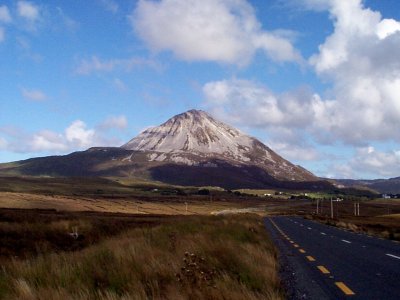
<point x="5" y="16"/>
<point x="361" y="60"/>
<point x="95" y="64"/>
<point x="371" y="163"/>
<point x="114" y="122"/>
<point x="387" y="27"/>
<point x="77" y="134"/>
<point x="251" y="104"/>
<point x="295" y="152"/>
<point x="28" y="10"/>
<point x="29" y="16"/>
<point x="47" y="141"/>
<point x="35" y="95"/>
<point x="211" y="30"/>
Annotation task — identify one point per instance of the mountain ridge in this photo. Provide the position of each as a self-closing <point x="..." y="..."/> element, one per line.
<point x="191" y="148"/>
<point x="196" y="133"/>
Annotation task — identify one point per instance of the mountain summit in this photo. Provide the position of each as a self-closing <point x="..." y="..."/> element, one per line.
<point x="195" y="136"/>
<point x="191" y="148"/>
<point x="192" y="131"/>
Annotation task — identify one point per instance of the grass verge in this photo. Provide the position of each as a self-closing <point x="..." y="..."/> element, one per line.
<point x="218" y="257"/>
<point x="381" y="226"/>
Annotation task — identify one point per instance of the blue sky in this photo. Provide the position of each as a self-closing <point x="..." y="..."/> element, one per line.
<point x="316" y="80"/>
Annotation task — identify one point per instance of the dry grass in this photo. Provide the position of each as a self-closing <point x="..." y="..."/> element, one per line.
<point x="387" y="227"/>
<point x="220" y="257"/>
<point x="127" y="205"/>
<point x="394" y="216"/>
<point x="27" y="233"/>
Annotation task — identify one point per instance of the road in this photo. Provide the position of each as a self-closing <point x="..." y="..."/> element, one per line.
<point x="324" y="262"/>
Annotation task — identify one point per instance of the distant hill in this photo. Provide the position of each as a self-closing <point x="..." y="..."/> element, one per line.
<point x="388" y="186"/>
<point x="191" y="148"/>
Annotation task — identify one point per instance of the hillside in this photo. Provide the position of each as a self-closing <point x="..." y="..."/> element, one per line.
<point x="191" y="148"/>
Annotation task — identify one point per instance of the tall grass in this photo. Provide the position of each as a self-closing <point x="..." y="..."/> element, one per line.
<point x="224" y="257"/>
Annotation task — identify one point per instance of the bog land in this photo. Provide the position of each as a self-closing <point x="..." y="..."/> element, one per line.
<point x="115" y="238"/>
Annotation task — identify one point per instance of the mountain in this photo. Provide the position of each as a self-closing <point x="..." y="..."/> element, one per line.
<point x="191" y="148"/>
<point x="383" y="186"/>
<point x="194" y="137"/>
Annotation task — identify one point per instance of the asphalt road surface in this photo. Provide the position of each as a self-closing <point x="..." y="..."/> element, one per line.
<point x="324" y="262"/>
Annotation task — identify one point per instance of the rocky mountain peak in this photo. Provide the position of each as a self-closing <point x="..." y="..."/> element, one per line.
<point x="191" y="148"/>
<point x="191" y="131"/>
<point x="196" y="138"/>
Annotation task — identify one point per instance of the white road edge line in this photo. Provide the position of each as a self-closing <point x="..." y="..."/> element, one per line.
<point x="323" y="233"/>
<point x="394" y="256"/>
<point x="348" y="242"/>
<point x="309" y="228"/>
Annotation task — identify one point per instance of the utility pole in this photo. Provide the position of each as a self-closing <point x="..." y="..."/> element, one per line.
<point x="357" y="209"/>
<point x="186" y="206"/>
<point x="322" y="205"/>
<point x="331" y="208"/>
<point x="317" y="205"/>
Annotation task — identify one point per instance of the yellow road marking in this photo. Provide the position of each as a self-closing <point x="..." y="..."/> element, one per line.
<point x="345" y="289"/>
<point x="323" y="269"/>
<point x="310" y="258"/>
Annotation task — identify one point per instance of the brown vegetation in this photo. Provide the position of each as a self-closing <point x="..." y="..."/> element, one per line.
<point x="218" y="257"/>
<point x="381" y="226"/>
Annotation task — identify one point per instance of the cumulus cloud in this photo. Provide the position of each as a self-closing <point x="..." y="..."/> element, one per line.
<point x="361" y="62"/>
<point x="5" y="16"/>
<point x="360" y="59"/>
<point x="295" y="152"/>
<point x="367" y="161"/>
<point x="95" y="64"/>
<point x="76" y="136"/>
<point x="34" y="95"/>
<point x="211" y="30"/>
<point x="47" y="140"/>
<point x="286" y="117"/>
<point x="291" y="119"/>
<point x="248" y="103"/>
